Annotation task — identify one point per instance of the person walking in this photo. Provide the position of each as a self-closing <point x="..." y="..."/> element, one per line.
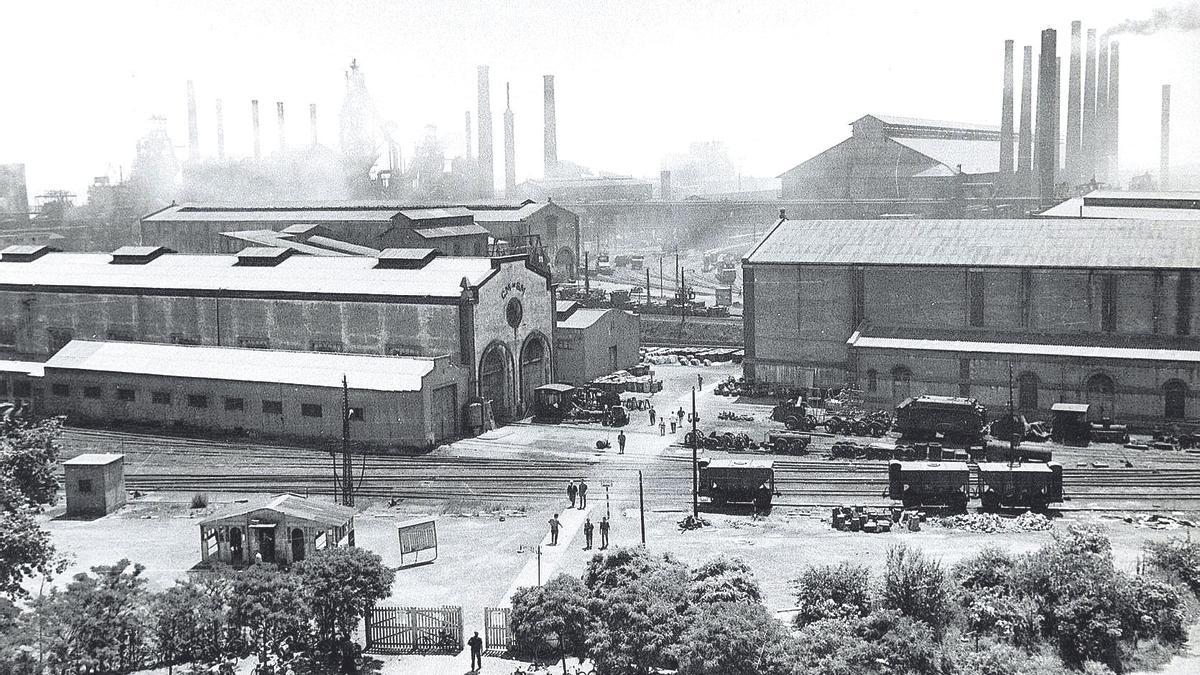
<point x="699" y="382"/>
<point x="604" y="533"/>
<point x="652" y="414"/>
<point x="476" y="645"/>
<point x="680" y="415"/>
<point x="582" y="494"/>
<point x="554" y="523"/>
<point x="621" y="441"/>
<point x="673" y="426"/>
<point x="587" y="533"/>
<point x="662" y="427"/>
<point x="571" y="492"/>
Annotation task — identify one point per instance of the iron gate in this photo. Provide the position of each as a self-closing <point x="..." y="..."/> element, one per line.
<point x="415" y="630"/>
<point x="497" y="629"/>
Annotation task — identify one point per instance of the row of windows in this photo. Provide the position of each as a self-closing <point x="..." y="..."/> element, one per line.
<point x="230" y="403"/>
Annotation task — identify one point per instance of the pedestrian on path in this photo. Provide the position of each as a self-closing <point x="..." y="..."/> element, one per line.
<point x="604" y="533"/>
<point x="621" y="440"/>
<point x="662" y="427"/>
<point x="476" y="645"/>
<point x="680" y="415"/>
<point x="699" y="382"/>
<point x="587" y="533"/>
<point x="652" y="414"/>
<point x="554" y="523"/>
<point x="571" y="492"/>
<point x="673" y="426"/>
<point x="582" y="494"/>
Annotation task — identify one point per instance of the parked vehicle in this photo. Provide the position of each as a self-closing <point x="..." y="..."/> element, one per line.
<point x="930" y="484"/>
<point x="731" y="481"/>
<point x="1032" y="486"/>
<point x="954" y="420"/>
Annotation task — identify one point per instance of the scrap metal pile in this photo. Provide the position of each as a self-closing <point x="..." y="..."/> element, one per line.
<point x="991" y="522"/>
<point x="875" y="519"/>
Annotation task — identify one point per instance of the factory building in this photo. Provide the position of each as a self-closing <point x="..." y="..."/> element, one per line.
<point x="588" y="189"/>
<point x="889" y="157"/>
<point x="492" y="317"/>
<point x="1128" y="205"/>
<point x="591" y="343"/>
<point x="1082" y="311"/>
<point x="556" y="230"/>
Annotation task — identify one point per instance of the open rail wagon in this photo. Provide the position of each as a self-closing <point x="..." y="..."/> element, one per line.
<point x="1033" y="486"/>
<point x="954" y="420"/>
<point x="930" y="483"/>
<point x="737" y="481"/>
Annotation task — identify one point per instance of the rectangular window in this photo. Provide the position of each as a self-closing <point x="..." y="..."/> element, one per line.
<point x="85" y="486"/>
<point x="1183" y="304"/>
<point x="1108" y="303"/>
<point x="57" y="338"/>
<point x="197" y="401"/>
<point x="563" y="344"/>
<point x="964" y="377"/>
<point x="272" y="407"/>
<point x="326" y="346"/>
<point x="253" y="342"/>
<point x="310" y="410"/>
<point x="60" y="390"/>
<point x="975" y="288"/>
<point x="1025" y="298"/>
<point x="233" y="404"/>
<point x="91" y="392"/>
<point x="401" y="349"/>
<point x="357" y="414"/>
<point x="8" y="336"/>
<point x="160" y="397"/>
<point x="125" y="394"/>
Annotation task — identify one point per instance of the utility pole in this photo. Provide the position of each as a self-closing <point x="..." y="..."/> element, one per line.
<point x="607" y="503"/>
<point x="660" y="278"/>
<point x="642" y="508"/>
<point x="347" y="466"/>
<point x="539" y="564"/>
<point x="647" y="286"/>
<point x="683" y="299"/>
<point x="695" y="461"/>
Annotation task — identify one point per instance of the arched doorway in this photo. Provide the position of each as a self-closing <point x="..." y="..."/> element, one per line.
<point x="237" y="550"/>
<point x="535" y="367"/>
<point x="901" y="383"/>
<point x="1175" y="400"/>
<point x="564" y="264"/>
<point x="496" y="380"/>
<point x="1027" y="391"/>
<point x="1101" y="393"/>
<point x="297" y="544"/>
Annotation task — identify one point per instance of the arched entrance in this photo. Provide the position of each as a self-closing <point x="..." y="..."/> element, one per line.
<point x="297" y="544"/>
<point x="1175" y="400"/>
<point x="237" y="551"/>
<point x="1101" y="393"/>
<point x="535" y="367"/>
<point x="564" y="264"/>
<point x="496" y="380"/>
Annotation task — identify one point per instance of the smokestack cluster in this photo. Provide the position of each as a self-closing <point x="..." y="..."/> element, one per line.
<point x="1087" y="141"/>
<point x="470" y="150"/>
<point x="1046" y="140"/>
<point x="510" y="160"/>
<point x="1025" y="140"/>
<point x="487" y="168"/>
<point x="1164" y="157"/>
<point x="1073" y="149"/>
<point x="312" y="121"/>
<point x="550" y="126"/>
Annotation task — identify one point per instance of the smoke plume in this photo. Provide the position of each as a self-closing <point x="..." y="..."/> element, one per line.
<point x="1183" y="18"/>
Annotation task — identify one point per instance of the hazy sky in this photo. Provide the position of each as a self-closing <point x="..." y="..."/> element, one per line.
<point x="777" y="81"/>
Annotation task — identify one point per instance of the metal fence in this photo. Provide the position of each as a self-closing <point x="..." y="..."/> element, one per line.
<point x="497" y="629"/>
<point x="415" y="630"/>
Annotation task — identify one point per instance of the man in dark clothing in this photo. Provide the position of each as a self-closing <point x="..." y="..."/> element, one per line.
<point x="554" y="523"/>
<point x="652" y="415"/>
<point x="680" y="415"/>
<point x="582" y="494"/>
<point x="699" y="381"/>
<point x="587" y="533"/>
<point x="571" y="491"/>
<point x="621" y="441"/>
<point x="604" y="533"/>
<point x="476" y="645"/>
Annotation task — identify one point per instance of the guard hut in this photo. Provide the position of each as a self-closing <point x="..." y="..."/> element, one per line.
<point x="283" y="529"/>
<point x="95" y="484"/>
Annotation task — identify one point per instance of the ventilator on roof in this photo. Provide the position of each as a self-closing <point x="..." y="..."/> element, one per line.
<point x="138" y="255"/>
<point x="262" y="256"/>
<point x="406" y="258"/>
<point x="24" y="252"/>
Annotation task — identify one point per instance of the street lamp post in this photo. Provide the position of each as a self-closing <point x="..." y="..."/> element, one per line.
<point x="695" y="461"/>
<point x="607" y="503"/>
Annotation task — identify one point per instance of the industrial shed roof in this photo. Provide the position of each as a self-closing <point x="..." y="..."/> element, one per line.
<point x="217" y="275"/>
<point x="974" y="156"/>
<point x="508" y="215"/>
<point x="194" y="213"/>
<point x="450" y="231"/>
<point x="897" y="120"/>
<point x="1134" y="205"/>
<point x="325" y="513"/>
<point x="583" y="318"/>
<point x="1099" y="244"/>
<point x="278" y="240"/>
<point x="312" y="369"/>
<point x="436" y="214"/>
<point x="859" y="341"/>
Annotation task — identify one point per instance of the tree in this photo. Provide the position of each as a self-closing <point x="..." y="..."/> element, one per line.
<point x="916" y="586"/>
<point x="1179" y="558"/>
<point x="190" y="620"/>
<point x="724" y="579"/>
<point x="734" y="638"/>
<point x="342" y="585"/>
<point x="28" y="482"/>
<point x="270" y="607"/>
<point x="989" y="568"/>
<point x="555" y="612"/>
<point x="884" y="643"/>
<point x="25" y="551"/>
<point x="832" y="592"/>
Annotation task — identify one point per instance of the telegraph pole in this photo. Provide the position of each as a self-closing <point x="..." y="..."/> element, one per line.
<point x="695" y="461"/>
<point x="347" y="466"/>
<point x="642" y="507"/>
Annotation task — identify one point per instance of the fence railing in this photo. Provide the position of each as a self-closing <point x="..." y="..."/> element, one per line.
<point x="415" y="630"/>
<point x="497" y="629"/>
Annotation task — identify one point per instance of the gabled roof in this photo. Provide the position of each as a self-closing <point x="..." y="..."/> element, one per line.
<point x="450" y="231"/>
<point x="973" y="156"/>
<point x="583" y="318"/>
<point x="295" y="506"/>
<point x="928" y="124"/>
<point x="508" y="215"/>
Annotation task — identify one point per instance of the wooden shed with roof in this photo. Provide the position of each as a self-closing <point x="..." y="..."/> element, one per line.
<point x="281" y="529"/>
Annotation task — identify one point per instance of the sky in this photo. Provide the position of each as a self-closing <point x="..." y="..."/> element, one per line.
<point x="776" y="81"/>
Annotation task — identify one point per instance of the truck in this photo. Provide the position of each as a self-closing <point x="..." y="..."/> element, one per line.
<point x="737" y="481"/>
<point x="952" y="419"/>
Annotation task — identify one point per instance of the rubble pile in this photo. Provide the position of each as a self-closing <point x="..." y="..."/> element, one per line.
<point x="991" y="522"/>
<point x="1159" y="522"/>
<point x="693" y="523"/>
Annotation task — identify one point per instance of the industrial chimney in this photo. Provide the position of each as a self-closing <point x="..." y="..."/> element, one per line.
<point x="220" y="129"/>
<point x="1025" y="137"/>
<point x="1006" y="116"/>
<point x="510" y="157"/>
<point x="1087" y="134"/>
<point x="312" y="121"/>
<point x="551" y="127"/>
<point x="279" y="119"/>
<point x="1101" y="134"/>
<point x="1047" y="141"/>
<point x="664" y="180"/>
<point x="257" y="129"/>
<point x="1074" y="106"/>
<point x="1113" y="134"/>
<point x="487" y="165"/>
<point x="193" y="126"/>
<point x="1164" y="157"/>
<point x="470" y="151"/>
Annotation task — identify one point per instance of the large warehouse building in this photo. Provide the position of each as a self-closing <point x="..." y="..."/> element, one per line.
<point x="492" y="318"/>
<point x="1082" y="311"/>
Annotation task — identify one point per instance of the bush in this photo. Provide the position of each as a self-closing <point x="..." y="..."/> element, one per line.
<point x="989" y="568"/>
<point x="1178" y="558"/>
<point x="341" y="585"/>
<point x="734" y="638"/>
<point x="832" y="592"/>
<point x="554" y="612"/>
<point x="998" y="658"/>
<point x="200" y="500"/>
<point x="916" y="587"/>
<point x="724" y="579"/>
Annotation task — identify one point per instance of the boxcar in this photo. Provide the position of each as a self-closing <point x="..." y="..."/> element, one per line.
<point x="743" y="481"/>
<point x="930" y="483"/>
<point x="1031" y="486"/>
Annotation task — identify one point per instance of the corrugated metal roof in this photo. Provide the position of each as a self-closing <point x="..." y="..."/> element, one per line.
<point x="933" y="124"/>
<point x="507" y="215"/>
<point x="94" y="459"/>
<point x="859" y="341"/>
<point x="975" y="156"/>
<point x="31" y="368"/>
<point x="312" y="369"/>
<point x="1075" y="208"/>
<point x="348" y="275"/>
<point x="583" y="318"/>
<point x="325" y="513"/>
<point x="450" y="231"/>
<point x="272" y="239"/>
<point x="339" y="245"/>
<point x="1097" y="244"/>
<point x="290" y="217"/>
<point x="435" y="214"/>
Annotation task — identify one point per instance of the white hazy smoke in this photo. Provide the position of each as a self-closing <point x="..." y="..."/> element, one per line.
<point x="1181" y="18"/>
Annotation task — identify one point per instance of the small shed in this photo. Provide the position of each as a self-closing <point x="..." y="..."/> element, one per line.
<point x="283" y="529"/>
<point x="95" y="484"/>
